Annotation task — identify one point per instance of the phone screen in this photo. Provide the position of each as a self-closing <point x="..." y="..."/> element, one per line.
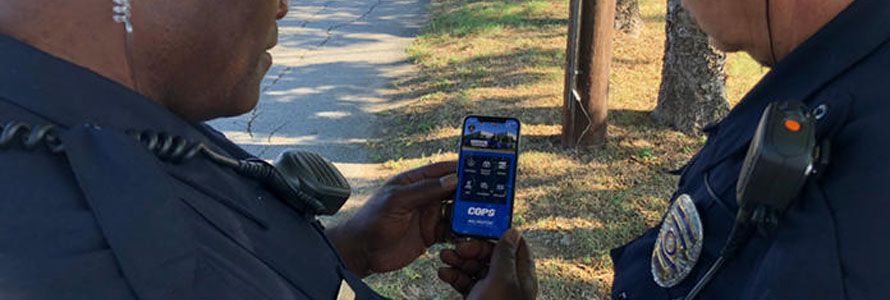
<point x="483" y="206"/>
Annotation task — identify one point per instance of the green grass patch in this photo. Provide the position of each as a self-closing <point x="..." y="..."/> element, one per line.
<point x="487" y="17"/>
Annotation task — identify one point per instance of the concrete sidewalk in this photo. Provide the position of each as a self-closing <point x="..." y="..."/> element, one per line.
<point x="334" y="62"/>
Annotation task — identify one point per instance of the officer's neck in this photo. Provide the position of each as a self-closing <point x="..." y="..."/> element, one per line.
<point x="80" y="32"/>
<point x="793" y="22"/>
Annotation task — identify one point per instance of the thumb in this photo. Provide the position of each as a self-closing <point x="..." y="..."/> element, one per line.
<point x="503" y="258"/>
<point x="427" y="191"/>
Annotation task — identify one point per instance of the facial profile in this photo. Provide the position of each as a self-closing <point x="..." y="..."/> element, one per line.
<point x="204" y="58"/>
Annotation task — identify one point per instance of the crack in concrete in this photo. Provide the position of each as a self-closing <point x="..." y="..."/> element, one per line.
<point x="302" y="25"/>
<point x="274" y="131"/>
<point x="312" y="17"/>
<point x="254" y="114"/>
<point x="341" y="25"/>
<point x="324" y="42"/>
<point x="262" y="151"/>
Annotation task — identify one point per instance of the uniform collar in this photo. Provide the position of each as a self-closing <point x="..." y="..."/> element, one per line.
<point x="848" y="39"/>
<point x="70" y="95"/>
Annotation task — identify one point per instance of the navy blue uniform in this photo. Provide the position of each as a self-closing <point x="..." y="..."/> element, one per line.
<point x="106" y="219"/>
<point x="832" y="242"/>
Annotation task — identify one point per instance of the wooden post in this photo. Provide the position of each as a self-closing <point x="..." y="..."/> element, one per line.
<point x="589" y="51"/>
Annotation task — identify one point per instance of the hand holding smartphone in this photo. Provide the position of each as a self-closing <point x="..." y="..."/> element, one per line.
<point x="483" y="205"/>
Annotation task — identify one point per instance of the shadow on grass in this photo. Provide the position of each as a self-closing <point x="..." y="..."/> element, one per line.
<point x="658" y="19"/>
<point x="413" y="126"/>
<point x="479" y="16"/>
<point x="484" y="71"/>
<point x="630" y="62"/>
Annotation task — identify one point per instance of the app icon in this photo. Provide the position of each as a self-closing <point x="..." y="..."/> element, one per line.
<point x="500" y="187"/>
<point x="486" y="164"/>
<point x="483" y="185"/>
<point x="471" y="162"/>
<point x="469" y="185"/>
<point x="502" y="165"/>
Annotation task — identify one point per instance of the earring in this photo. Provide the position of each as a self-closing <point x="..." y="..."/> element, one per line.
<point x="122" y="14"/>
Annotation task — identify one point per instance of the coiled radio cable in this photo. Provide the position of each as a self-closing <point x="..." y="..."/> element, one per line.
<point x="304" y="180"/>
<point x="177" y="149"/>
<point x="30" y="137"/>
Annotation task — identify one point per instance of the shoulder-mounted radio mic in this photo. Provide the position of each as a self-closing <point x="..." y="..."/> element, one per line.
<point x="780" y="158"/>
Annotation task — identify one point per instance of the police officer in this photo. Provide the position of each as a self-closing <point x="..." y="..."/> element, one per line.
<point x="831" y="243"/>
<point x="92" y="214"/>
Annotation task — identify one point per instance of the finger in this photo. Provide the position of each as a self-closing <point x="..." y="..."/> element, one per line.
<point x="450" y="276"/>
<point x="503" y="257"/>
<point x="525" y="269"/>
<point x="429" y="191"/>
<point x="474" y="249"/>
<point x="429" y="171"/>
<point x="459" y="281"/>
<point x="471" y="267"/>
<point x="442" y="230"/>
<point x="429" y="224"/>
<point x="450" y="257"/>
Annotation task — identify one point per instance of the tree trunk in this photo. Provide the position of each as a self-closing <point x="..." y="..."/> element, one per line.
<point x="693" y="83"/>
<point x="628" y="18"/>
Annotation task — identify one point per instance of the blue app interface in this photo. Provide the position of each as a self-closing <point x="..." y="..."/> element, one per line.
<point x="486" y="175"/>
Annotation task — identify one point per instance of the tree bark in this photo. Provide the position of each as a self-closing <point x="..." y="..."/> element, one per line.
<point x="693" y="82"/>
<point x="628" y="18"/>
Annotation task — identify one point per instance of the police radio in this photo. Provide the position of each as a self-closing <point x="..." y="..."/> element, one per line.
<point x="778" y="162"/>
<point x="780" y="158"/>
<point x="304" y="180"/>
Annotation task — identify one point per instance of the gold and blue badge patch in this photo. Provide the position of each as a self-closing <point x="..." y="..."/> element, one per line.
<point x="679" y="243"/>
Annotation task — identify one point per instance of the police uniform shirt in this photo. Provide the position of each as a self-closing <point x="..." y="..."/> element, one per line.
<point x="107" y="219"/>
<point x="832" y="243"/>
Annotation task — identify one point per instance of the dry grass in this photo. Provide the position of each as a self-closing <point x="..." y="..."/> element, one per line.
<point x="505" y="57"/>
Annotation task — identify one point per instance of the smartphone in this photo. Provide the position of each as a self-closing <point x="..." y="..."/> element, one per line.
<point x="483" y="205"/>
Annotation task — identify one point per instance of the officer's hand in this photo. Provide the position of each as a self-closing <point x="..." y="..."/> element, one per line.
<point x="399" y="222"/>
<point x="511" y="274"/>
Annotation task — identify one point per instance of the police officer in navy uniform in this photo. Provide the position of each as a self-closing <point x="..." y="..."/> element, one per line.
<point x="93" y="214"/>
<point x="831" y="243"/>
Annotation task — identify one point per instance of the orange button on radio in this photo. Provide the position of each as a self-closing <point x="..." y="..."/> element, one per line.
<point x="792" y="125"/>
